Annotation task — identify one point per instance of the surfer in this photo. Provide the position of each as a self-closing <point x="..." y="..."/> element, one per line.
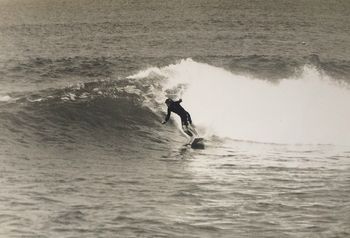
<point x="186" y="121"/>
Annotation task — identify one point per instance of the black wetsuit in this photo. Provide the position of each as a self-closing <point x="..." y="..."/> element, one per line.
<point x="179" y="110"/>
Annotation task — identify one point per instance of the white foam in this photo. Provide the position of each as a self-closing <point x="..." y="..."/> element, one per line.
<point x="132" y="90"/>
<point x="309" y="108"/>
<point x="5" y="98"/>
<point x="35" y="100"/>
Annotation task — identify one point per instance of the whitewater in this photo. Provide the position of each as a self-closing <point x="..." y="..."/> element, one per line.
<point x="308" y="108"/>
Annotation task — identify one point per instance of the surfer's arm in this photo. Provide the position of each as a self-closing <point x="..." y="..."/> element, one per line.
<point x="167" y="117"/>
<point x="179" y="101"/>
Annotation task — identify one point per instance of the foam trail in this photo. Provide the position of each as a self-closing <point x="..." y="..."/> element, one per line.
<point x="309" y="108"/>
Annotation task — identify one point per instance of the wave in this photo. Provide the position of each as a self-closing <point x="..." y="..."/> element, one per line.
<point x="308" y="107"/>
<point x="102" y="113"/>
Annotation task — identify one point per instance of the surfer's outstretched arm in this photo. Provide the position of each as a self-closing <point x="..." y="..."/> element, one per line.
<point x="167" y="117"/>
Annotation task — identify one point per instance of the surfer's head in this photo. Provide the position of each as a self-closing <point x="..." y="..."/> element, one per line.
<point x="168" y="101"/>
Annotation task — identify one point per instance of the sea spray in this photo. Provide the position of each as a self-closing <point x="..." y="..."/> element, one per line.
<point x="309" y="107"/>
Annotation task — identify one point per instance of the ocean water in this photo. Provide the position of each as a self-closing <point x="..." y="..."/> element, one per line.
<point x="82" y="149"/>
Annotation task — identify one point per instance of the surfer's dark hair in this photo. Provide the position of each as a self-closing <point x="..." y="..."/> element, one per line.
<point x="168" y="100"/>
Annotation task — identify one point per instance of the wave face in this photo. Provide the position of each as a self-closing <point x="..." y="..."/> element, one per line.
<point x="113" y="115"/>
<point x="308" y="107"/>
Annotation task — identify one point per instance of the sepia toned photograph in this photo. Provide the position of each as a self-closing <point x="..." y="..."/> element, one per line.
<point x="174" y="118"/>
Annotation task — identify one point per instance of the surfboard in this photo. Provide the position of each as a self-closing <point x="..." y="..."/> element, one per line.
<point x="197" y="143"/>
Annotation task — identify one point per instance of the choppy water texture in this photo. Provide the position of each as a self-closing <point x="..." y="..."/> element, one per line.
<point x="83" y="152"/>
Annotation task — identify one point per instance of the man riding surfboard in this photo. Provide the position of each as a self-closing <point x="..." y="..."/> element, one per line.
<point x="186" y="121"/>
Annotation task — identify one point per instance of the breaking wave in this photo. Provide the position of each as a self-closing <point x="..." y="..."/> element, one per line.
<point x="309" y="107"/>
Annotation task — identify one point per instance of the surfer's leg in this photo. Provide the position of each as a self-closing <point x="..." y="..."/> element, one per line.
<point x="189" y="119"/>
<point x="190" y="126"/>
<point x="188" y="132"/>
<point x="193" y="130"/>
